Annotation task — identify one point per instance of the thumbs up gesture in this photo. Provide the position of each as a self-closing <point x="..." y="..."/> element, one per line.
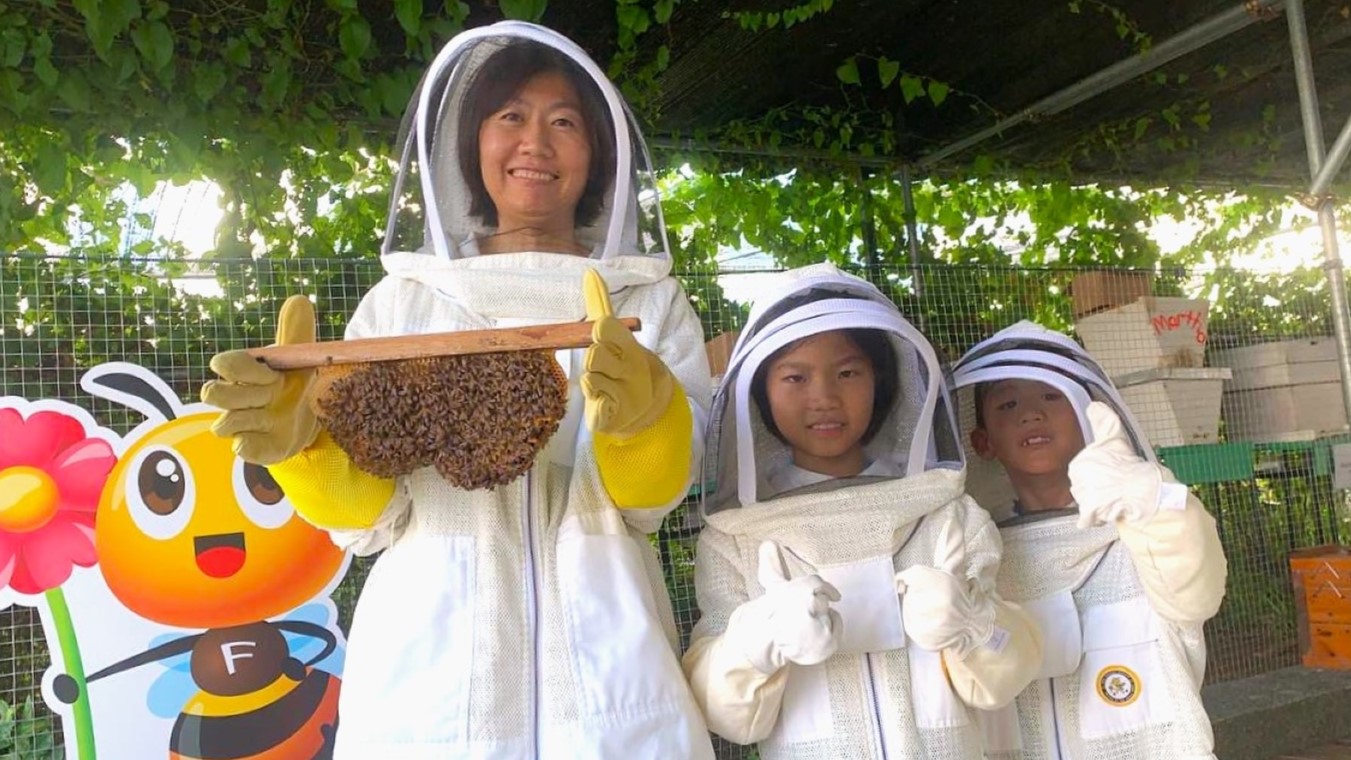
<point x="626" y="387"/>
<point x="791" y="622"/>
<point x="939" y="607"/>
<point x="1111" y="482"/>
<point x="265" y="411"/>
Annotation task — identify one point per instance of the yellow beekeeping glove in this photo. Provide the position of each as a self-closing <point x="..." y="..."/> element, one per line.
<point x="626" y="386"/>
<point x="642" y="429"/>
<point x="268" y="416"/>
<point x="328" y="490"/>
<point x="265" y="410"/>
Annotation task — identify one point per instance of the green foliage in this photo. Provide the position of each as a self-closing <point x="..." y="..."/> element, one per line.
<point x="26" y="735"/>
<point x="754" y="21"/>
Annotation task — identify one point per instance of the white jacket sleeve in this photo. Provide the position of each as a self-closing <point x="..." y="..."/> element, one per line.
<point x="992" y="674"/>
<point x="739" y="702"/>
<point x="1179" y="559"/>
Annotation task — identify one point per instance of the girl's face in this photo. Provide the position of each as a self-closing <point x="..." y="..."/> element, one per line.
<point x="534" y="154"/>
<point x="821" y="396"/>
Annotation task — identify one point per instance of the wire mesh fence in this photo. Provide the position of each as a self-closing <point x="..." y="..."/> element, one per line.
<point x="1232" y="373"/>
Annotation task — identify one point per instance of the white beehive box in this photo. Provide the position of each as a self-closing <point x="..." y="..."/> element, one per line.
<point x="1176" y="406"/>
<point x="1283" y="391"/>
<point x="1149" y="333"/>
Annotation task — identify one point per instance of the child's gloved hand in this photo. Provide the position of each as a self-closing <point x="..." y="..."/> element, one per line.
<point x="626" y="386"/>
<point x="265" y="410"/>
<point x="791" y="622"/>
<point x="1111" y="482"/>
<point x="939" y="608"/>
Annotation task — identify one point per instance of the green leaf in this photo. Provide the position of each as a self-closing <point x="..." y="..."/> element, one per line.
<point x="409" y="14"/>
<point x="155" y="43"/>
<point x="632" y="18"/>
<point x="526" y="10"/>
<point x="46" y="72"/>
<point x="13" y="44"/>
<point x="207" y="79"/>
<point x="887" y="70"/>
<point x="938" y="92"/>
<point x="911" y="87"/>
<point x="237" y="52"/>
<point x="50" y="168"/>
<point x="354" y="36"/>
<point x="74" y="90"/>
<point x="1141" y="125"/>
<point x="662" y="10"/>
<point x="663" y="58"/>
<point x="848" y="72"/>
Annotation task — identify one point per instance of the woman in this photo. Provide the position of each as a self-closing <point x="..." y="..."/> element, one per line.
<point x="530" y="620"/>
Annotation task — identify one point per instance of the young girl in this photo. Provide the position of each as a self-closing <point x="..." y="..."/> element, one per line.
<point x="838" y="484"/>
<point x="1117" y="562"/>
<point x="530" y="620"/>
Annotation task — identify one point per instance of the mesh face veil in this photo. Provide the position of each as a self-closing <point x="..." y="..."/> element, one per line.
<point x="918" y="432"/>
<point x="429" y="208"/>
<point x="1028" y="351"/>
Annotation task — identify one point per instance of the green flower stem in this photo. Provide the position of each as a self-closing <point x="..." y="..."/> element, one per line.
<point x="74" y="667"/>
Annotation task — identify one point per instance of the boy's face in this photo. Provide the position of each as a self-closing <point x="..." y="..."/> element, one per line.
<point x="821" y="396"/>
<point x="1030" y="427"/>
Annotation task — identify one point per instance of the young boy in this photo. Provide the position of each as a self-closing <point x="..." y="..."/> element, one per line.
<point x="838" y="485"/>
<point x="1117" y="562"/>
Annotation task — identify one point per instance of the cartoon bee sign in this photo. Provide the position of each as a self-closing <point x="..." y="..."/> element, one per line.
<point x="205" y="627"/>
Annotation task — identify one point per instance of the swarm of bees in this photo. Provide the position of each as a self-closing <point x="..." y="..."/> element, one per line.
<point x="479" y="419"/>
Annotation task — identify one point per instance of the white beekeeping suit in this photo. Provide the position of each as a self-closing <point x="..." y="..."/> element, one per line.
<point x="530" y="620"/>
<point x="1121" y="605"/>
<point x="871" y="691"/>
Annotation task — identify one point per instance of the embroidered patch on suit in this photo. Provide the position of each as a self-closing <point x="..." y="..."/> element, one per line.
<point x="1118" y="685"/>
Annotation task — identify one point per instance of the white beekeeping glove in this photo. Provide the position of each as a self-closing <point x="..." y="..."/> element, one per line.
<point x="791" y="622"/>
<point x="1111" y="482"/>
<point x="939" y="607"/>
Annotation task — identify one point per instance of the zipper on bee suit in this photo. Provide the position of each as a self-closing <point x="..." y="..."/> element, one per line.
<point x="879" y="741"/>
<point x="532" y="608"/>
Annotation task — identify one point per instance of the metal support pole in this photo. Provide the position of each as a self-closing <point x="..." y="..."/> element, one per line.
<point x="911" y="218"/>
<point x="869" y="225"/>
<point x="1327" y="218"/>
<point x="1336" y="158"/>
<point x="1180" y="44"/>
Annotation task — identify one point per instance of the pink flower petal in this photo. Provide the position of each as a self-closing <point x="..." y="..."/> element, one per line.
<point x="21" y="580"/>
<point x="8" y="558"/>
<point x="44" y="559"/>
<point x="36" y="441"/>
<point x="80" y="473"/>
<point x="76" y="533"/>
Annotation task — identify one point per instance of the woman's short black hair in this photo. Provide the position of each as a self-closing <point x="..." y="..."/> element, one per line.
<point x="497" y="80"/>
<point x="875" y="345"/>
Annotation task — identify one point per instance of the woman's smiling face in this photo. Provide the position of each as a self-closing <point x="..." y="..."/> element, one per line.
<point x="534" y="154"/>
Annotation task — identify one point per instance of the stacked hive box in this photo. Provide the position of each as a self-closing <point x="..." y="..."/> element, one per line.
<point x="1283" y="391"/>
<point x="1154" y="350"/>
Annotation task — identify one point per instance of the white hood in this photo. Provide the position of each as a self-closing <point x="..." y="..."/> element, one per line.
<point x="1029" y="351"/>
<point x="429" y="206"/>
<point x="918" y="434"/>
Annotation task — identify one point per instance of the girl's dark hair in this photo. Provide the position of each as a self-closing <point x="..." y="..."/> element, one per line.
<point x="875" y="345"/>
<point x="497" y="80"/>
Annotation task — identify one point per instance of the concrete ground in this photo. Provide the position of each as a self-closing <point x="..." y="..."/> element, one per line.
<point x="1282" y="715"/>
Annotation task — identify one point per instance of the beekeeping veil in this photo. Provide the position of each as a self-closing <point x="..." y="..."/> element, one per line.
<point x="1029" y="351"/>
<point x="429" y="206"/>
<point x="918" y="433"/>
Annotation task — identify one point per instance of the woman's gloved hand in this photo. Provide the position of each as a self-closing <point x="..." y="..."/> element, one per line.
<point x="939" y="607"/>
<point x="627" y="387"/>
<point x="1111" y="482"/>
<point x="265" y="411"/>
<point x="791" y="622"/>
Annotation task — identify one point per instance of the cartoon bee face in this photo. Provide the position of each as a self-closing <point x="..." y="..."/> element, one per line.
<point x="190" y="535"/>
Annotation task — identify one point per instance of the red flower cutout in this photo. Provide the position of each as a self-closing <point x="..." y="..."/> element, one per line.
<point x="51" y="476"/>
